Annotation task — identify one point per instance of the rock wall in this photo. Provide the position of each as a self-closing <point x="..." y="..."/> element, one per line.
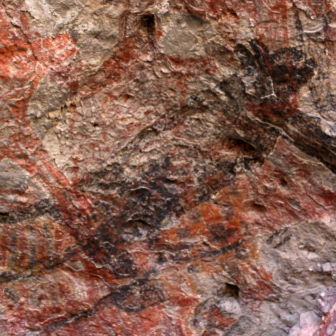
<point x="167" y="167"/>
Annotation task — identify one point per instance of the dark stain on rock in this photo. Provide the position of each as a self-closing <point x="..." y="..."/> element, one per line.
<point x="124" y="266"/>
<point x="138" y="296"/>
<point x="219" y="232"/>
<point x="285" y="70"/>
<point x="11" y="294"/>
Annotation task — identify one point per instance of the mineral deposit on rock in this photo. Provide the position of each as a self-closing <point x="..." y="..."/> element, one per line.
<point x="167" y="167"/>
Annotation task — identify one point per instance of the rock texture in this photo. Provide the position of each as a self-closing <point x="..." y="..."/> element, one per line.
<point x="167" y="167"/>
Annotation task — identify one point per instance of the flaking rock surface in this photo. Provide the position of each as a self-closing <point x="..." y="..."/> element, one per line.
<point x="167" y="167"/>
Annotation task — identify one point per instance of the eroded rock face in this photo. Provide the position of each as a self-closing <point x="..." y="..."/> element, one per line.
<point x="167" y="167"/>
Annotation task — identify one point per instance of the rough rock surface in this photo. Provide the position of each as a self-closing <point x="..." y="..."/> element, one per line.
<point x="167" y="167"/>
